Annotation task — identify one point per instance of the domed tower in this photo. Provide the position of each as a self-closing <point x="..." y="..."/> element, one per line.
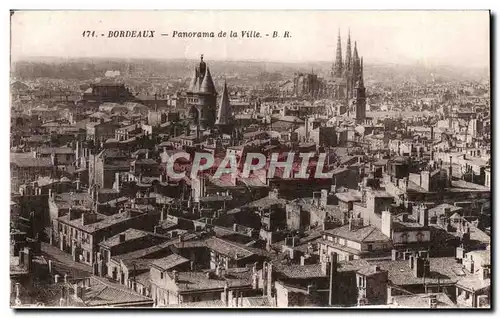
<point x="202" y="97"/>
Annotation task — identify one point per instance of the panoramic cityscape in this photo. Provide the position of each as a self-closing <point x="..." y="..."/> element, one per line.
<point x="351" y="180"/>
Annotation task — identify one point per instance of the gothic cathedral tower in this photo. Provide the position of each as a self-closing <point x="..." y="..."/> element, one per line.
<point x="202" y="97"/>
<point x="360" y="95"/>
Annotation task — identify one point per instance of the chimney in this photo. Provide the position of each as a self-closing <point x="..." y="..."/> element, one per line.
<point x="459" y="253"/>
<point x="394" y="255"/>
<point x="387" y="224"/>
<point x="421" y="267"/>
<point x="235" y="298"/>
<point x="235" y="227"/>
<point x="311" y="289"/>
<point x="122" y="237"/>
<point x="56" y="278"/>
<point x="424" y="216"/>
<point x="225" y="295"/>
<point x="411" y="260"/>
<point x="62" y="301"/>
<point x="451" y="170"/>
<point x="116" y="185"/>
<point x="433" y="301"/>
<point x="332" y="274"/>
<point x="29" y="258"/>
<point x="269" y="281"/>
<point x="484" y="273"/>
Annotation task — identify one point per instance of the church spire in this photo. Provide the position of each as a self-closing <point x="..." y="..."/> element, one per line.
<point x="224" y="113"/>
<point x="338" y="59"/>
<point x="355" y="63"/>
<point x="355" y="57"/>
<point x="361" y="75"/>
<point x="348" y="64"/>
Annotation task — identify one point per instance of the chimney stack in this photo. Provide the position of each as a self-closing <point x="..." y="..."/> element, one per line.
<point x="424" y="215"/>
<point x="451" y="170"/>
<point x="387" y="224"/>
<point x="433" y="301"/>
<point x="332" y="274"/>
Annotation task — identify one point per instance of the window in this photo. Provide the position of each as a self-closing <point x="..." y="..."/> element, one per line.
<point x="370" y="247"/>
<point x="404" y="238"/>
<point x="161" y="275"/>
<point x="420" y="236"/>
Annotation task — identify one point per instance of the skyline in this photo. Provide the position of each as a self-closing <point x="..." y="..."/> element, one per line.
<point x="401" y="37"/>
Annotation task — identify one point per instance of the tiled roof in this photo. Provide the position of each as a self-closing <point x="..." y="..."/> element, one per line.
<point x="55" y="150"/>
<point x="484" y="256"/>
<point x="439" y="209"/>
<point x="146" y="252"/>
<point x="235" y="278"/>
<point x="347" y="197"/>
<point x="444" y="270"/>
<point x="130" y="234"/>
<point x="170" y="261"/>
<point x="32" y="162"/>
<point x="259" y="301"/>
<point x="474" y="283"/>
<point x="368" y="233"/>
<point x="301" y="272"/>
<point x="344" y="248"/>
<point x="228" y="248"/>
<point x="103" y="292"/>
<point x="422" y="301"/>
<point x="265" y="202"/>
<point x="102" y="222"/>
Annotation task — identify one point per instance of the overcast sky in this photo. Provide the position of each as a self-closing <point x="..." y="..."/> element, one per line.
<point x="437" y="37"/>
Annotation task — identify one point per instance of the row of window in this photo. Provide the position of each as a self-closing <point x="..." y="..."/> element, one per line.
<point x="72" y="232"/>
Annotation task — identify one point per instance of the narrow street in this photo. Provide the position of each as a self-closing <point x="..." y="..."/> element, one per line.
<point x="62" y="263"/>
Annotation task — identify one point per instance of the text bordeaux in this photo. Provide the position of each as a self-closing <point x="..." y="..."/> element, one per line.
<point x="131" y="34"/>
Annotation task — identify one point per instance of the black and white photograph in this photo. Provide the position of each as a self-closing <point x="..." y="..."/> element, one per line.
<point x="250" y="159"/>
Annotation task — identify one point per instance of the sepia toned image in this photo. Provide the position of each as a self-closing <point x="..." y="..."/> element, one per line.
<point x="250" y="159"/>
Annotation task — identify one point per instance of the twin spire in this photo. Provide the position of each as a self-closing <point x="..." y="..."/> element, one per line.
<point x="352" y="65"/>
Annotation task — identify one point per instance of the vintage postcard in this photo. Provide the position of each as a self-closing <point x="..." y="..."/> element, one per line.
<point x="250" y="159"/>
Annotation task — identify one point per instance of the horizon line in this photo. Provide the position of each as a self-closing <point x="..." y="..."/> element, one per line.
<point x="378" y="62"/>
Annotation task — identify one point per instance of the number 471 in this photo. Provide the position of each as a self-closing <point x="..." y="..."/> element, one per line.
<point x="88" y="34"/>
